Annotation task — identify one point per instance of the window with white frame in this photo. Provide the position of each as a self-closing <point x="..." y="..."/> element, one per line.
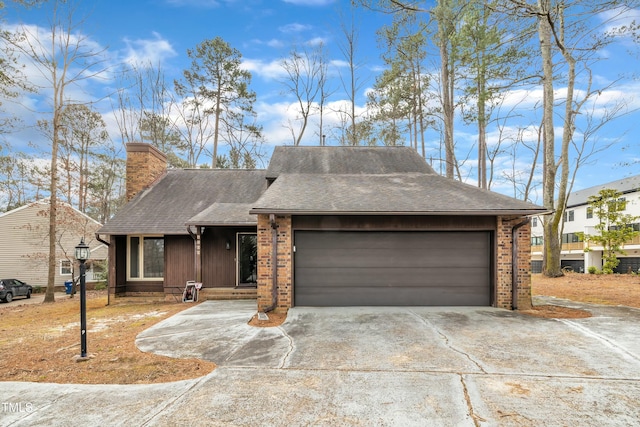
<point x="534" y="221"/>
<point x="568" y="216"/>
<point x="65" y="267"/>
<point x="145" y="257"/>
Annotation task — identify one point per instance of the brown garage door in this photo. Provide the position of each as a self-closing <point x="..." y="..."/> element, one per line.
<point x="345" y="268"/>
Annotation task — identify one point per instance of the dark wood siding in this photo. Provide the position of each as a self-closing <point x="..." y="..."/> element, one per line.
<point x="179" y="262"/>
<point x="422" y="268"/>
<point x="396" y="222"/>
<point x="120" y="260"/>
<point x="218" y="263"/>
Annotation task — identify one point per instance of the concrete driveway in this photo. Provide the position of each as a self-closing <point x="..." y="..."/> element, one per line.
<point x="368" y="366"/>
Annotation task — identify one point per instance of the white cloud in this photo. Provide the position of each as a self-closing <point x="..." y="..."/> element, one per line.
<point x="316" y="41"/>
<point x="618" y="18"/>
<point x="142" y="52"/>
<point x="294" y="28"/>
<point x="267" y="70"/>
<point x="274" y="43"/>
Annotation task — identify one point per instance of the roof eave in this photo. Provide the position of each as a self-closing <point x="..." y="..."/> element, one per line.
<point x="223" y="224"/>
<point x="503" y="212"/>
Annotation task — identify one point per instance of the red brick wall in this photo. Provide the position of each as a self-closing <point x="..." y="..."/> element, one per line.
<point x="504" y="265"/>
<point x="265" y="263"/>
<point x="285" y="257"/>
<point x="145" y="164"/>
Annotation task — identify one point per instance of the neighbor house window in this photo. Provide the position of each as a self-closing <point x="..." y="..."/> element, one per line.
<point x="589" y="213"/>
<point x="571" y="238"/>
<point x="145" y="257"/>
<point x="65" y="267"/>
<point x="536" y="240"/>
<point x="534" y="221"/>
<point x="622" y="203"/>
<point x="568" y="216"/>
<point x="618" y="205"/>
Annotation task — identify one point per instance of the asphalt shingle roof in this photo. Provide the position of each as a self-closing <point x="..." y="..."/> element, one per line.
<point x="345" y="160"/>
<point x="625" y="185"/>
<point x="180" y="195"/>
<point x="407" y="193"/>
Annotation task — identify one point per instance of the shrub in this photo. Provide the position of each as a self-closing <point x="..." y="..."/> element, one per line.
<point x="593" y="270"/>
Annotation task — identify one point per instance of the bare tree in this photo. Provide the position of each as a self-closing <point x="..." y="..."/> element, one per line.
<point x="566" y="28"/>
<point x="306" y="70"/>
<point x="195" y="126"/>
<point x="64" y="57"/>
<point x="352" y="83"/>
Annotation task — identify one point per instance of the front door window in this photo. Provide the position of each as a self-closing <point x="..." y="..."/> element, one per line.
<point x="247" y="259"/>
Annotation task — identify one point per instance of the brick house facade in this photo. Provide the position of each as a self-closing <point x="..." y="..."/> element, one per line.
<point x="330" y="226"/>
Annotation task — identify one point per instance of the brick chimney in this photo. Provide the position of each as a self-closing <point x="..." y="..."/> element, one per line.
<point x="145" y="164"/>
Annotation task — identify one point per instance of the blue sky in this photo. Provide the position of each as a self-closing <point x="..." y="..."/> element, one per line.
<point x="264" y="31"/>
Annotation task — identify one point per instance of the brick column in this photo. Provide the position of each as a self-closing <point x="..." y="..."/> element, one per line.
<point x="504" y="263"/>
<point x="284" y="290"/>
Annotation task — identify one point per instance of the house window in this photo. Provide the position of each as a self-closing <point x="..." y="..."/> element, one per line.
<point x="589" y="213"/>
<point x="534" y="221"/>
<point x="145" y="257"/>
<point x="622" y="204"/>
<point x="65" y="267"/>
<point x="568" y="216"/>
<point x="571" y="238"/>
<point x="536" y="240"/>
<point x="618" y="205"/>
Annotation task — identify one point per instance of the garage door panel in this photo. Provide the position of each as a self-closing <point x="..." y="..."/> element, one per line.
<point x="409" y="296"/>
<point x="390" y="277"/>
<point x="387" y="240"/>
<point x="346" y="268"/>
<point x="372" y="258"/>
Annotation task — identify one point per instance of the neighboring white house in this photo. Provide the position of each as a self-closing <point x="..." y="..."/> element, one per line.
<point x="24" y="244"/>
<point x="579" y="218"/>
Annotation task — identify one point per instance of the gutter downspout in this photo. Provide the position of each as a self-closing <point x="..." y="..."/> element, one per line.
<point x="104" y="242"/>
<point x="99" y="239"/>
<point x="514" y="263"/>
<point x="274" y="263"/>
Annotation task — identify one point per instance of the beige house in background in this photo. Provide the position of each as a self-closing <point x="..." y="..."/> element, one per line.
<point x="24" y="245"/>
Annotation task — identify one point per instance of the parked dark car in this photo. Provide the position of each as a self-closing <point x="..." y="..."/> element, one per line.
<point x="11" y="288"/>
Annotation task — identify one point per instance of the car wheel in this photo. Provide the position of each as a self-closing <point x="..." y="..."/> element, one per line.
<point x="9" y="297"/>
<point x="28" y="294"/>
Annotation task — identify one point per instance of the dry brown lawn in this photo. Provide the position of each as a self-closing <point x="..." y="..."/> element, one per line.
<point x="598" y="289"/>
<point x="38" y="342"/>
<point x="608" y="289"/>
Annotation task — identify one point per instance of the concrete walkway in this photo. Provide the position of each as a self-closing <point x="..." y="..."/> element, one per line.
<point x="367" y="366"/>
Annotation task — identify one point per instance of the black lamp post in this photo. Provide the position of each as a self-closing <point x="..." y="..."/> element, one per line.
<point x="82" y="254"/>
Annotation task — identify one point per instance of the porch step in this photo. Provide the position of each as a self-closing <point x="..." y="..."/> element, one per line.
<point x="227" y="293"/>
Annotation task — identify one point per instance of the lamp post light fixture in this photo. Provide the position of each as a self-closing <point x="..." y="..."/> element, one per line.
<point x="82" y="254"/>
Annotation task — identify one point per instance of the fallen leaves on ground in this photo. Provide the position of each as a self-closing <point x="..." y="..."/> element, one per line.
<point x="608" y="289"/>
<point x="38" y="343"/>
<point x="556" y="312"/>
<point x="275" y="319"/>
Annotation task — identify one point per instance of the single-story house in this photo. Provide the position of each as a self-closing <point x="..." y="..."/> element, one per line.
<point x="321" y="226"/>
<point x="24" y="246"/>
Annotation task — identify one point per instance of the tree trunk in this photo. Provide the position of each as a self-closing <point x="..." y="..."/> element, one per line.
<point x="447" y="103"/>
<point x="552" y="247"/>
